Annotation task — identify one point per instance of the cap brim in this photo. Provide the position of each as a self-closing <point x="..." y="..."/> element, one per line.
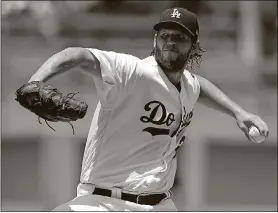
<point x="162" y="24"/>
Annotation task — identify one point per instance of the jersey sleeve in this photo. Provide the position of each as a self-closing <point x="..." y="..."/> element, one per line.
<point x="194" y="87"/>
<point x="119" y="73"/>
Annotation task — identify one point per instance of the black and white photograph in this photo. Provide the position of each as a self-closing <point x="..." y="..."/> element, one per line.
<point x="138" y="106"/>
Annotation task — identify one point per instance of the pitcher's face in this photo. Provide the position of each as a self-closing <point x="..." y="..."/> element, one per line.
<point x="172" y="48"/>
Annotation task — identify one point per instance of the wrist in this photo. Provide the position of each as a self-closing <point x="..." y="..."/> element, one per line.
<point x="238" y="112"/>
<point x="35" y="79"/>
<point x="38" y="77"/>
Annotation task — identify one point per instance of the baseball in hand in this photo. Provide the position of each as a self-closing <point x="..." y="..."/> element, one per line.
<point x="255" y="135"/>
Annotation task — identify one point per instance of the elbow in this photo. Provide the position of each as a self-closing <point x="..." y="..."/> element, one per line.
<point x="76" y="52"/>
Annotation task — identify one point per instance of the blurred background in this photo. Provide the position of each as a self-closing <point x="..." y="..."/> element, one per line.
<point x="219" y="170"/>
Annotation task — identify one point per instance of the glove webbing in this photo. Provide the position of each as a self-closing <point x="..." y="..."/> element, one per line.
<point x="63" y="106"/>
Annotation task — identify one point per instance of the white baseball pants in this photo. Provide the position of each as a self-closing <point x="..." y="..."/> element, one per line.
<point x="103" y="203"/>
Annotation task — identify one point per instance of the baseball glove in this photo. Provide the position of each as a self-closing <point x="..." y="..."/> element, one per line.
<point x="50" y="104"/>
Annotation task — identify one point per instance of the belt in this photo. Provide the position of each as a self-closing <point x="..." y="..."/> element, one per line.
<point x="151" y="199"/>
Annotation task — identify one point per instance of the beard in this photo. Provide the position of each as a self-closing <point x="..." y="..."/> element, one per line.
<point x="170" y="61"/>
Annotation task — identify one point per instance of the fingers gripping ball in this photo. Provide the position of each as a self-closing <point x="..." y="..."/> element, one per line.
<point x="50" y="104"/>
<point x="255" y="135"/>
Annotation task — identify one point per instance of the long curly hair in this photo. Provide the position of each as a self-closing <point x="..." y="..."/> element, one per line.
<point x="195" y="58"/>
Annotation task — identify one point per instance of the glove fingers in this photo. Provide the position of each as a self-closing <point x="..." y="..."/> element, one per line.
<point x="50" y="104"/>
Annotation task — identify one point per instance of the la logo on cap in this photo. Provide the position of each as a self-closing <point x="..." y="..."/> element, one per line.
<point x="175" y="14"/>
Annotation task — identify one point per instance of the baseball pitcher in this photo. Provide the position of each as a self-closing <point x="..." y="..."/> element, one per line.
<point x="144" y="109"/>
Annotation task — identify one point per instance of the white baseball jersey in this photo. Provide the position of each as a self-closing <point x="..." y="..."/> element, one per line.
<point x="139" y="123"/>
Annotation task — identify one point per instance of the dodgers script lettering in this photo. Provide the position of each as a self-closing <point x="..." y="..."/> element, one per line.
<point x="153" y="118"/>
<point x="159" y="116"/>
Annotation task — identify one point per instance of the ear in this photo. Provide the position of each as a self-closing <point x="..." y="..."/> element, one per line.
<point x="194" y="46"/>
<point x="154" y="40"/>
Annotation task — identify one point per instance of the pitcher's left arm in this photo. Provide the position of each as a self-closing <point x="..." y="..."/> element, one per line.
<point x="213" y="97"/>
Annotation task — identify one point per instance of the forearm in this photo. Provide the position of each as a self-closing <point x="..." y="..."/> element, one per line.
<point x="59" y="63"/>
<point x="213" y="97"/>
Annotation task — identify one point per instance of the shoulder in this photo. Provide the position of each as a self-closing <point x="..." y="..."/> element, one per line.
<point x="149" y="61"/>
<point x="115" y="60"/>
<point x="112" y="54"/>
<point x="149" y="64"/>
<point x="190" y="77"/>
<point x="149" y="68"/>
<point x="191" y="80"/>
